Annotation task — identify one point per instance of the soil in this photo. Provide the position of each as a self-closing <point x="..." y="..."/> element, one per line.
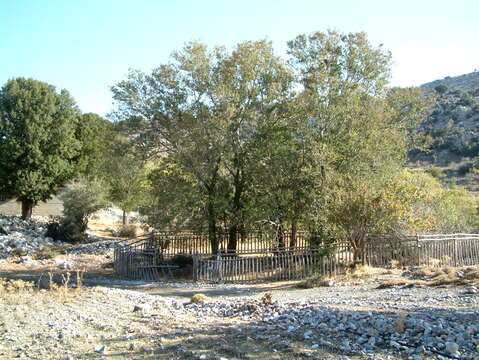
<point x="106" y="319"/>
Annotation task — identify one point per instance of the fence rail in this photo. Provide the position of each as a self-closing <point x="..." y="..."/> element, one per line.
<point x="259" y="258"/>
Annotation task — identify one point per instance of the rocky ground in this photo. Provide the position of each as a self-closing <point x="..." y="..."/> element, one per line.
<point x="373" y="314"/>
<point x="355" y="320"/>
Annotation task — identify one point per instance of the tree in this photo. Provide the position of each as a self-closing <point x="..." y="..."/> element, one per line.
<point x="125" y="174"/>
<point x="37" y="141"/>
<point x="97" y="136"/>
<point x="205" y="110"/>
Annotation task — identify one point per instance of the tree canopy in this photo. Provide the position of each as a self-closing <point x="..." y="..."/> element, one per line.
<point x="37" y="141"/>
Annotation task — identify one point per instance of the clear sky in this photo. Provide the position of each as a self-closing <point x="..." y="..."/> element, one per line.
<point x="86" y="46"/>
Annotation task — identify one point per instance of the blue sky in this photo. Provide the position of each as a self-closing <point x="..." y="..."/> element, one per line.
<point x="86" y="46"/>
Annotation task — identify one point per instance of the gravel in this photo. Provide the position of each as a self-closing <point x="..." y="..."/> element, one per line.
<point x="344" y="321"/>
<point x="25" y="238"/>
<point x="22" y="237"/>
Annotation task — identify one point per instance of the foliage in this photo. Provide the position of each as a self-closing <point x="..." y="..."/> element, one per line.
<point x="205" y="110"/>
<point x="97" y="136"/>
<point x="175" y="199"/>
<point x="37" y="141"/>
<point x="125" y="174"/>
<point x="128" y="231"/>
<point x="80" y="200"/>
<point x="441" y="89"/>
<point x="407" y="202"/>
<point x="242" y="138"/>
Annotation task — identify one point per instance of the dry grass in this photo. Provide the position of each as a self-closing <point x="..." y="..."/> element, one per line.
<point x="400" y="282"/>
<point x="199" y="298"/>
<point x="129" y="231"/>
<point x="359" y="272"/>
<point x="366" y="271"/>
<point x="314" y="282"/>
<point x="50" y="252"/>
<point x="61" y="287"/>
<point x="449" y="275"/>
<point x="11" y="286"/>
<point x="431" y="276"/>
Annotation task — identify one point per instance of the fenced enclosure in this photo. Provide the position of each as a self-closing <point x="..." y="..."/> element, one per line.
<point x="269" y="257"/>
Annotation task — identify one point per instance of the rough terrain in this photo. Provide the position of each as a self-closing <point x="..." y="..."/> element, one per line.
<point x="80" y="310"/>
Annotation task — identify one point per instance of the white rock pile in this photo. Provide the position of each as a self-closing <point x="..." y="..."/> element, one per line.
<point x="23" y="237"/>
<point x="437" y="333"/>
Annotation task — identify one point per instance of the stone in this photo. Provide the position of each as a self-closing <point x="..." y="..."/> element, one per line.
<point x="345" y="346"/>
<point x="102" y="350"/>
<point x="307" y="334"/>
<point x="452" y="348"/>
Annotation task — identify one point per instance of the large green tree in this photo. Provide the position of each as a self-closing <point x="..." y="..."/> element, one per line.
<point x="205" y="110"/>
<point x="38" y="146"/>
<point x="247" y="138"/>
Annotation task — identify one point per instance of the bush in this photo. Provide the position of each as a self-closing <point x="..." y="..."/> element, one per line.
<point x="465" y="169"/>
<point x="182" y="260"/>
<point x="441" y="89"/>
<point x="128" y="231"/>
<point x="53" y="229"/>
<point x="435" y="172"/>
<point x="80" y="200"/>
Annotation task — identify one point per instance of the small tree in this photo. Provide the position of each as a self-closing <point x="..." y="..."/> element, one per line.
<point x="126" y="176"/>
<point x="37" y="141"/>
<point x="80" y="200"/>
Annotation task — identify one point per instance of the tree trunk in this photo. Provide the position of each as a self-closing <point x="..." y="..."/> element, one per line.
<point x="212" y="234"/>
<point x="27" y="209"/>
<point x="237" y="221"/>
<point x="232" y="239"/>
<point x="125" y="218"/>
<point x="294" y="230"/>
<point x="280" y="238"/>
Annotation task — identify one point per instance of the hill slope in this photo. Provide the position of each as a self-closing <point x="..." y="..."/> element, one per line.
<point x="452" y="131"/>
<point x="462" y="82"/>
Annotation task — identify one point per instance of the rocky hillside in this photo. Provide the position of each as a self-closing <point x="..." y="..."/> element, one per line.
<point x="451" y="132"/>
<point x="462" y="82"/>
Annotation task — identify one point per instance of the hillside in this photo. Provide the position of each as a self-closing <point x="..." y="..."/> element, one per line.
<point x="462" y="82"/>
<point x="452" y="131"/>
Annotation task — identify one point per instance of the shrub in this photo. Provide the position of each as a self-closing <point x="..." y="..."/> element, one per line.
<point x="464" y="169"/>
<point x="435" y="172"/>
<point x="128" y="231"/>
<point x="441" y="89"/>
<point x="182" y="260"/>
<point x="80" y="200"/>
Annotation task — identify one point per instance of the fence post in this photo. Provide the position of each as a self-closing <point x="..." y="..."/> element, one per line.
<point x="218" y="265"/>
<point x="418" y="247"/>
<point x="455" y="252"/>
<point x="195" y="268"/>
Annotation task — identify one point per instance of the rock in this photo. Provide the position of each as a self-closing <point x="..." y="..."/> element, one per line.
<point x="452" y="348"/>
<point x="102" y="350"/>
<point x="65" y="266"/>
<point x="141" y="308"/>
<point x="345" y="346"/>
<point x="307" y="334"/>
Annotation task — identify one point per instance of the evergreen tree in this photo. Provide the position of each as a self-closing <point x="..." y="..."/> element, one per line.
<point x="37" y="141"/>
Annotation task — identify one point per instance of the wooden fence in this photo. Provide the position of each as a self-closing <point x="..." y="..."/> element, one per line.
<point x="172" y="243"/>
<point x="151" y="259"/>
